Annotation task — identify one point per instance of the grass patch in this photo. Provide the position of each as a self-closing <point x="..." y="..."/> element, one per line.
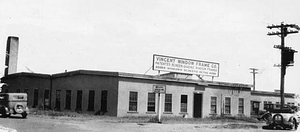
<point x="141" y="119"/>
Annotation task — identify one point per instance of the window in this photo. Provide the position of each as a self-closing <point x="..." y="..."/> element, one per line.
<point x="241" y="105"/>
<point x="213" y="105"/>
<point x="79" y="100"/>
<point x="91" y="100"/>
<point x="227" y="105"/>
<point x="268" y="104"/>
<point x="57" y="101"/>
<point x="68" y="99"/>
<point x="35" y="97"/>
<point x="104" y="100"/>
<point x="151" y="102"/>
<point x="277" y="105"/>
<point x="133" y="98"/>
<point x="46" y="99"/>
<point x="168" y="103"/>
<point x="183" y="103"/>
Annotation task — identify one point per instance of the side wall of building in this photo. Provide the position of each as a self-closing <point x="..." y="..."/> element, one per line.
<point x="270" y="99"/>
<point x="144" y="87"/>
<point x="226" y="92"/>
<point x="85" y="84"/>
<point x="33" y="86"/>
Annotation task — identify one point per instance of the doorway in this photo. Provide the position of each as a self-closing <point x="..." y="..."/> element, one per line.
<point x="197" y="105"/>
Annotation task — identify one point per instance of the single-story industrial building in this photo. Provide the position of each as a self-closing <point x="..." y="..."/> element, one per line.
<point x="125" y="94"/>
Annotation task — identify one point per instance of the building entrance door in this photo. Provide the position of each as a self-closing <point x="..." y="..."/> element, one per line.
<point x="197" y="105"/>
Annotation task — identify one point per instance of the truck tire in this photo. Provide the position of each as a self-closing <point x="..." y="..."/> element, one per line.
<point x="24" y="115"/>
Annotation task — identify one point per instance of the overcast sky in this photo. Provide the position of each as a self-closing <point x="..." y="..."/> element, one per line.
<point x="122" y="36"/>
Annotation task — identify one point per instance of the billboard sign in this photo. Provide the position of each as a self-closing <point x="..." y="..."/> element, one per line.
<point x="188" y="66"/>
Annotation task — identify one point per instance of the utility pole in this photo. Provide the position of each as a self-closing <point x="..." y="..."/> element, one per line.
<point x="287" y="53"/>
<point x="253" y="71"/>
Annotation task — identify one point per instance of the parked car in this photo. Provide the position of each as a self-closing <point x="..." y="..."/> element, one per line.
<point x="281" y="118"/>
<point x="13" y="103"/>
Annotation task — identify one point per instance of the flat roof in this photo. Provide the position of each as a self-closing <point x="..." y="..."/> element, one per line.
<point x="276" y="94"/>
<point x="132" y="75"/>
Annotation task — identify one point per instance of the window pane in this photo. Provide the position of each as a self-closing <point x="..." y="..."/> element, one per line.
<point x="168" y="103"/>
<point x="227" y="105"/>
<point x="151" y="102"/>
<point x="133" y="101"/>
<point x="213" y="106"/>
<point x="241" y="106"/>
<point x="183" y="105"/>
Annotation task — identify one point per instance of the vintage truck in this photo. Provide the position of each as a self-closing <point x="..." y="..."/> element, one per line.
<point x="13" y="103"/>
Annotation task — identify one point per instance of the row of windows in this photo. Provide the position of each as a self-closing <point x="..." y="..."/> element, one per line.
<point x="91" y="100"/>
<point x="227" y="105"/>
<point x="68" y="93"/>
<point x="269" y="104"/>
<point x="133" y="99"/>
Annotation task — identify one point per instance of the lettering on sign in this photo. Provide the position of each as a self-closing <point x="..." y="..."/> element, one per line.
<point x="159" y="89"/>
<point x="188" y="66"/>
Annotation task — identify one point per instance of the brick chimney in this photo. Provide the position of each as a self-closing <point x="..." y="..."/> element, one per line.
<point x="11" y="57"/>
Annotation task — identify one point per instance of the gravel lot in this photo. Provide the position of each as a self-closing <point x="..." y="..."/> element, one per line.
<point x="68" y="124"/>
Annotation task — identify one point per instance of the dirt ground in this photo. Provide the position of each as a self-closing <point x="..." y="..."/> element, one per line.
<point x="66" y="124"/>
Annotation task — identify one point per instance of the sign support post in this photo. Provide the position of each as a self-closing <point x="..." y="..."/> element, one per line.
<point x="159" y="108"/>
<point x="159" y="89"/>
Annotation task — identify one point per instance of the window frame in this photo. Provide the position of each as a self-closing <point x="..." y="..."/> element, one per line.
<point x="183" y="105"/>
<point x="133" y="101"/>
<point x="215" y="105"/>
<point x="168" y="103"/>
<point x="227" y="106"/>
<point x="151" y="103"/>
<point x="241" y="108"/>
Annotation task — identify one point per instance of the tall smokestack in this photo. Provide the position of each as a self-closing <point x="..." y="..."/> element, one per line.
<point x="11" y="58"/>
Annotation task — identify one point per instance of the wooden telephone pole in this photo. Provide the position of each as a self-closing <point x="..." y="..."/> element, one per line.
<point x="253" y="71"/>
<point x="287" y="53"/>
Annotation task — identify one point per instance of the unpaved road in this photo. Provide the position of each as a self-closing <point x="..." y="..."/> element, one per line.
<point x="48" y="124"/>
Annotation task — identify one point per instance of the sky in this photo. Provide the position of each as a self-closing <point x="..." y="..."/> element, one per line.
<point x="122" y="36"/>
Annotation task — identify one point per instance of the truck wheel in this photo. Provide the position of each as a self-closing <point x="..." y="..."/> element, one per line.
<point x="3" y="114"/>
<point x="24" y="114"/>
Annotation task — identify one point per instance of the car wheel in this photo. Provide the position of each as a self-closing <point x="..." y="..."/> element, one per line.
<point x="294" y="125"/>
<point x="24" y="114"/>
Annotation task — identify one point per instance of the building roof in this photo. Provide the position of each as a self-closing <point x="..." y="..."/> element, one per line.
<point x="131" y="75"/>
<point x="276" y="94"/>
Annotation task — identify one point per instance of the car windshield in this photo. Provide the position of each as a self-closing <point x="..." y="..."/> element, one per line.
<point x="18" y="97"/>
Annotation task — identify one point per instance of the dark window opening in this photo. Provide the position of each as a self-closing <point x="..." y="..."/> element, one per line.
<point x="68" y="99"/>
<point x="47" y="99"/>
<point x="57" y="101"/>
<point x="35" y="98"/>
<point x="79" y="100"/>
<point x="103" y="101"/>
<point x="91" y="100"/>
